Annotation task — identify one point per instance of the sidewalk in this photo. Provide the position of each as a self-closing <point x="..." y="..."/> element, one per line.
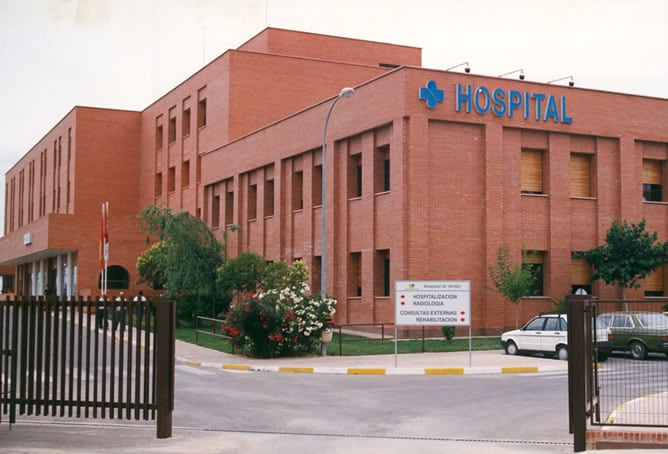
<point x="454" y="363"/>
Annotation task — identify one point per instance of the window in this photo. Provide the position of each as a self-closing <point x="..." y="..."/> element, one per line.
<point x="531" y="172"/>
<point x="580" y="175"/>
<point x="185" y="174"/>
<point x="316" y="192"/>
<point x="652" y="180"/>
<point x="355" y="176"/>
<point x="297" y="190"/>
<point x="215" y="211"/>
<point x="580" y="275"/>
<point x="382" y="272"/>
<point x="654" y="282"/>
<point x="171" y="179"/>
<point x="252" y="202"/>
<point x="185" y="125"/>
<point x="158" y="184"/>
<point x="316" y="274"/>
<point x="158" y="137"/>
<point x="171" y="126"/>
<point x="355" y="274"/>
<point x="229" y="208"/>
<point x="201" y="113"/>
<point x="535" y="260"/>
<point x="381" y="181"/>
<point x="269" y="198"/>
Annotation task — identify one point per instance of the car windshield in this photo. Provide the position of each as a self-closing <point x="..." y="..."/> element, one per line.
<point x="653" y="320"/>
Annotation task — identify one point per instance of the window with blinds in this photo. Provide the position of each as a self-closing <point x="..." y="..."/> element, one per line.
<point x="654" y="283"/>
<point x="652" y="180"/>
<point x="531" y="172"/>
<point x="580" y="275"/>
<point x="580" y="175"/>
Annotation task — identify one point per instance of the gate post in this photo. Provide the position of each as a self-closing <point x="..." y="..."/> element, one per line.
<point x="577" y="400"/>
<point x="165" y="326"/>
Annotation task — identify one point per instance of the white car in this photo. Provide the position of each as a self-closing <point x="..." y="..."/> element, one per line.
<point x="548" y="334"/>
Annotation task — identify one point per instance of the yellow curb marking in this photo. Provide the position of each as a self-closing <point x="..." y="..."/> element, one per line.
<point x="364" y="371"/>
<point x="236" y="366"/>
<point x="296" y="370"/>
<point x="445" y="371"/>
<point x="518" y="370"/>
<point x="193" y="363"/>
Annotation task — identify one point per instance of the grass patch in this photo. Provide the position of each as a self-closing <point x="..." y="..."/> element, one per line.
<point x="350" y="345"/>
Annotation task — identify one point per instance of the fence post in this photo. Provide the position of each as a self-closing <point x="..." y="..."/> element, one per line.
<point x="577" y="404"/>
<point x="165" y="325"/>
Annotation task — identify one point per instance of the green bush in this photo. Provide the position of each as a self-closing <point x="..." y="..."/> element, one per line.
<point x="448" y="332"/>
<point x="279" y="322"/>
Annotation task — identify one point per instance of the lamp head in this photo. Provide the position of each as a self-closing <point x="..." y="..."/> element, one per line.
<point x="571" y="83"/>
<point x="346" y="92"/>
<point x="467" y="69"/>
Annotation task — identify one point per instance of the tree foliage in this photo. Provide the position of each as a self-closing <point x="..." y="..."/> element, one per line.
<point x="629" y="255"/>
<point x="242" y="273"/>
<point x="183" y="256"/>
<point x="513" y="280"/>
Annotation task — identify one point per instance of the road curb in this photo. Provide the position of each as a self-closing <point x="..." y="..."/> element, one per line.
<point x="374" y="370"/>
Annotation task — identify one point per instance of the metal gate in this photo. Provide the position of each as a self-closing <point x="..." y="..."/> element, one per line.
<point x="90" y="359"/>
<point x="630" y="388"/>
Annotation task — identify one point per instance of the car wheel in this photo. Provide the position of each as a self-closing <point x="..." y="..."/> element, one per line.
<point x="603" y="357"/>
<point x="638" y="350"/>
<point x="511" y="348"/>
<point x="562" y="352"/>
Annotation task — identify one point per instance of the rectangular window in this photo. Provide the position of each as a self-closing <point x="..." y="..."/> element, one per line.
<point x="158" y="137"/>
<point x="535" y="260"/>
<point x="269" y="198"/>
<point x="316" y="192"/>
<point x="355" y="274"/>
<point x="580" y="175"/>
<point x="229" y="208"/>
<point x="171" y="130"/>
<point x="252" y="202"/>
<point x="381" y="181"/>
<point x="185" y="125"/>
<point x="171" y="179"/>
<point x="355" y="176"/>
<point x="316" y="274"/>
<point x="654" y="282"/>
<point x="298" y="190"/>
<point x="580" y="275"/>
<point x="185" y="174"/>
<point x="531" y="172"/>
<point x="382" y="272"/>
<point x="652" y="180"/>
<point x="158" y="184"/>
<point x="215" y="211"/>
<point x="201" y="113"/>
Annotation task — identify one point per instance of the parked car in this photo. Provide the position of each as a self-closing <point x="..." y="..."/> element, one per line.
<point x="548" y="334"/>
<point x="637" y="332"/>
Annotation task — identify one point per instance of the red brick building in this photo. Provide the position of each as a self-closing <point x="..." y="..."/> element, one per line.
<point x="428" y="173"/>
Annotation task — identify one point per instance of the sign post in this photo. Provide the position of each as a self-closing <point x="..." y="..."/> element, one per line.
<point x="432" y="303"/>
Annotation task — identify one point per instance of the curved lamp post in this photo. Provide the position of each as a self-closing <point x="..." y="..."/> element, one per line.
<point x="345" y="93"/>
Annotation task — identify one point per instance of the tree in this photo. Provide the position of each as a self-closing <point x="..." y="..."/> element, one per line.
<point x="242" y="273"/>
<point x="629" y="255"/>
<point x="184" y="260"/>
<point x="513" y="280"/>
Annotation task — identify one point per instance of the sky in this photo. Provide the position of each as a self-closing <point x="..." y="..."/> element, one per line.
<point x="125" y="54"/>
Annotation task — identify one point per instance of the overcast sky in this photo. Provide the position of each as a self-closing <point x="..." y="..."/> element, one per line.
<point x="124" y="54"/>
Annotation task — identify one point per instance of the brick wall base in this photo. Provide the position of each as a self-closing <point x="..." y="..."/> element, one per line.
<point x="627" y="439"/>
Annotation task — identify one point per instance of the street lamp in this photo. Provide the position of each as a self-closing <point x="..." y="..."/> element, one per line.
<point x="345" y="93"/>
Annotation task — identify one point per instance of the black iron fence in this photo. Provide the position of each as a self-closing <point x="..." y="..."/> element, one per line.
<point x="90" y="359"/>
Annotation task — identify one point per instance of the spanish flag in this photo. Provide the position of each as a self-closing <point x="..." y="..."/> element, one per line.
<point x="104" y="236"/>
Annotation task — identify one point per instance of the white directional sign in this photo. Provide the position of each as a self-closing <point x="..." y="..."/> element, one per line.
<point x="433" y="303"/>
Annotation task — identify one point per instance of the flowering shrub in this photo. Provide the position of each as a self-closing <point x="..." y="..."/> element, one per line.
<point x="278" y="322"/>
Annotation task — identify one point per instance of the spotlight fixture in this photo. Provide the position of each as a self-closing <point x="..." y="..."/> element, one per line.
<point x="521" y="71"/>
<point x="467" y="68"/>
<point x="571" y="82"/>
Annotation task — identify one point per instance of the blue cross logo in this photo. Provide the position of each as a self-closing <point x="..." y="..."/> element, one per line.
<point x="431" y="94"/>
